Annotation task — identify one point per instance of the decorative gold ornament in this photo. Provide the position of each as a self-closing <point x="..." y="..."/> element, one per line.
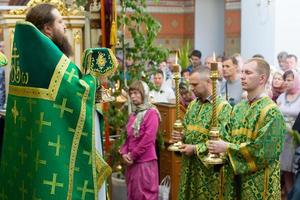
<point x="60" y="5"/>
<point x="101" y="61"/>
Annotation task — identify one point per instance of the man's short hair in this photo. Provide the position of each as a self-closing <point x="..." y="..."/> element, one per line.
<point x="40" y="15"/>
<point x="258" y="56"/>
<point x="203" y="71"/>
<point x="233" y="59"/>
<point x="196" y="53"/>
<point x="262" y="66"/>
<point x="282" y="55"/>
<point x="292" y="56"/>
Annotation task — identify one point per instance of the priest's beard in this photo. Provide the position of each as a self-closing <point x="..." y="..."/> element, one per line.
<point x="62" y="43"/>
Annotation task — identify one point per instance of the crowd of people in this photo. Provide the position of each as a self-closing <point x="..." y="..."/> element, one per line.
<point x="258" y="106"/>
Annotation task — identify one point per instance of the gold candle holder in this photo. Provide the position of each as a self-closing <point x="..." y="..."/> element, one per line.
<point x="177" y="126"/>
<point x="214" y="159"/>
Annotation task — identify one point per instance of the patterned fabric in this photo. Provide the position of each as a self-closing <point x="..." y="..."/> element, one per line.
<point x="198" y="181"/>
<point x="49" y="141"/>
<point x="2" y="88"/>
<point x="256" y="136"/>
<point x="3" y="60"/>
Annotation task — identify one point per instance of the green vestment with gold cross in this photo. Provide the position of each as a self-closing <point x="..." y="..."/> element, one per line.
<point x="256" y="133"/>
<point x="200" y="181"/>
<point x="49" y="139"/>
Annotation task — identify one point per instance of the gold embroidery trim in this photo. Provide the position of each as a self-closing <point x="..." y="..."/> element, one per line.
<point x="253" y="134"/>
<point x="103" y="169"/>
<point x="94" y="160"/>
<point x="221" y="184"/>
<point x="220" y="106"/>
<point x="42" y="93"/>
<point x="262" y="117"/>
<point x="266" y="183"/>
<point x="77" y="136"/>
<point x="231" y="160"/>
<point x="197" y="128"/>
<point x="242" y="131"/>
<point x="247" y="156"/>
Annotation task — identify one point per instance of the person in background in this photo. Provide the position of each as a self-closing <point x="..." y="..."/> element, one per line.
<point x="195" y="59"/>
<point x="163" y="94"/>
<point x="294" y="194"/>
<point x="281" y="58"/>
<point x="231" y="88"/>
<point x="186" y="95"/>
<point x="3" y="62"/>
<point x="277" y="85"/>
<point x="138" y="151"/>
<point x="185" y="75"/>
<point x="208" y="60"/>
<point x="291" y="63"/>
<point x="167" y="73"/>
<point x="289" y="104"/>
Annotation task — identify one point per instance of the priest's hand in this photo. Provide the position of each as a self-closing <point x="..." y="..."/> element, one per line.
<point x="187" y="149"/>
<point x="177" y="136"/>
<point x="127" y="159"/>
<point x="217" y="146"/>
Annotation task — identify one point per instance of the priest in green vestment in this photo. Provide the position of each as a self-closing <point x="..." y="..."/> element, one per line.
<point x="198" y="180"/>
<point x="256" y="131"/>
<point x="49" y="147"/>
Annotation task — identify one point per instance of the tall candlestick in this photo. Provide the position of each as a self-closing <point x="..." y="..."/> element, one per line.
<point x="177" y="126"/>
<point x="214" y="131"/>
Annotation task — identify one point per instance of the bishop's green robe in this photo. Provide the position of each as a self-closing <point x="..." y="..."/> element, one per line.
<point x="49" y="141"/>
<point x="197" y="180"/>
<point x="256" y="136"/>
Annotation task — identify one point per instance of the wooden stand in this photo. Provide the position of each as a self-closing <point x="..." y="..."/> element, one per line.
<point x="169" y="162"/>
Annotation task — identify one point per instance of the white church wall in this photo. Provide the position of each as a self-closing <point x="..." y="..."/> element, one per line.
<point x="287" y="27"/>
<point x="270" y="26"/>
<point x="258" y="28"/>
<point x="209" y="27"/>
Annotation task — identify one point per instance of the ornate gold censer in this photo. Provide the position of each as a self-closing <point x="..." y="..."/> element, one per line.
<point x="177" y="126"/>
<point x="214" y="159"/>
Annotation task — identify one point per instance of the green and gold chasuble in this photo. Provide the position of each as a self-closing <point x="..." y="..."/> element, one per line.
<point x="256" y="133"/>
<point x="197" y="180"/>
<point x="49" y="140"/>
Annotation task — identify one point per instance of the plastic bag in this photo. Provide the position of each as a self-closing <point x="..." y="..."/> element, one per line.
<point x="164" y="188"/>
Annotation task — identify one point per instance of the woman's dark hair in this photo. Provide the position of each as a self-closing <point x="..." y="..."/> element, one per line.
<point x="287" y="73"/>
<point x="40" y="15"/>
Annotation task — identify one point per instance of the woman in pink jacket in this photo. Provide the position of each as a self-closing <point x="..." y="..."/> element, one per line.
<point x="138" y="151"/>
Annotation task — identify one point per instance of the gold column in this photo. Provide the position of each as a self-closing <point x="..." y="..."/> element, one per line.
<point x="214" y="159"/>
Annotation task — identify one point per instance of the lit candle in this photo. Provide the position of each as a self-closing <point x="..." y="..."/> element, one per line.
<point x="214" y="57"/>
<point x="176" y="58"/>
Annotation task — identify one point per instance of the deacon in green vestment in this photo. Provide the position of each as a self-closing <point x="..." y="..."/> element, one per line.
<point x="256" y="132"/>
<point x="198" y="180"/>
<point x="49" y="147"/>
